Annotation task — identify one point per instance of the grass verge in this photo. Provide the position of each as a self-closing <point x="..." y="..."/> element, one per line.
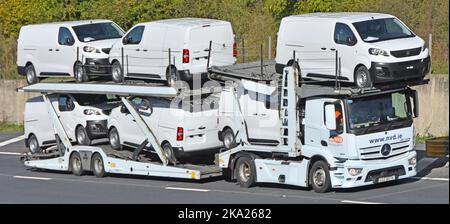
<point x="5" y="126"/>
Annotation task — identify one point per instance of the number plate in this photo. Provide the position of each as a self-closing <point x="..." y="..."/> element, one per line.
<point x="386" y="179"/>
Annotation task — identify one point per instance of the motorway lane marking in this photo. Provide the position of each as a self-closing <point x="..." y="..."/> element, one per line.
<point x="10" y="141"/>
<point x="11" y="153"/>
<point x="32" y="178"/>
<point x="186" y="189"/>
<point x="361" y="202"/>
<point x="430" y="178"/>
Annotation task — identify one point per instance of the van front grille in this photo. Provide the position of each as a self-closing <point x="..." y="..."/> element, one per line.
<point x="406" y="53"/>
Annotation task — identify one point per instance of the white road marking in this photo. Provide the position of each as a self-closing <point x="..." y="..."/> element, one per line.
<point x="361" y="202"/>
<point x="430" y="178"/>
<point x="10" y="141"/>
<point x="11" y="153"/>
<point x="186" y="189"/>
<point x="32" y="178"/>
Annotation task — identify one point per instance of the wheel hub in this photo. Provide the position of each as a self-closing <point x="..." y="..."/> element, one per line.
<point x="228" y="139"/>
<point x="319" y="177"/>
<point x="244" y="171"/>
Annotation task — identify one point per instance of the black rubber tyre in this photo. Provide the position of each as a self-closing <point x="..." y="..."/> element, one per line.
<point x="319" y="177"/>
<point x="172" y="76"/>
<point x="114" y="139"/>
<point x="169" y="153"/>
<point x="117" y="73"/>
<point x="30" y="74"/>
<point x="245" y="172"/>
<point x="79" y="73"/>
<point x="228" y="139"/>
<point x="97" y="165"/>
<point x="82" y="136"/>
<point x="33" y="145"/>
<point x="362" y="78"/>
<point x="76" y="166"/>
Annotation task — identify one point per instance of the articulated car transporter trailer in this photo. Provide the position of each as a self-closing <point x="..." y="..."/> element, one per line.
<point x="316" y="148"/>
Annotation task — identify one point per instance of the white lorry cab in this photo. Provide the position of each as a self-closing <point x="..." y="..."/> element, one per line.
<point x="143" y="52"/>
<point x="371" y="48"/>
<point x="74" y="49"/>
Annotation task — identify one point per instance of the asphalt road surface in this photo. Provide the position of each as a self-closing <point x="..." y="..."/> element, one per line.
<point x="18" y="184"/>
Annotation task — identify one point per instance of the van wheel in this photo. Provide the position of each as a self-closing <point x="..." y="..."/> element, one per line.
<point x="75" y="164"/>
<point x="117" y="73"/>
<point x="34" y="145"/>
<point x="31" y="75"/>
<point x="82" y="136"/>
<point x="228" y="139"/>
<point x="168" y="152"/>
<point x="172" y="76"/>
<point x="80" y="73"/>
<point x="98" y="167"/>
<point x="362" y="77"/>
<point x="245" y="172"/>
<point x="319" y="177"/>
<point x="114" y="139"/>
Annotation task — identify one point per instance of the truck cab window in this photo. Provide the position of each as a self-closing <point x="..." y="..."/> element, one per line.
<point x="65" y="37"/>
<point x="344" y="35"/>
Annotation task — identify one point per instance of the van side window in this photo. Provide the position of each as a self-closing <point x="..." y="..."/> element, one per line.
<point x="134" y="36"/>
<point x="344" y="35"/>
<point x="65" y="103"/>
<point x="65" y="37"/>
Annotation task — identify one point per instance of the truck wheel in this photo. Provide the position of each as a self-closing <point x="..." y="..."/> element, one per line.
<point x="114" y="139"/>
<point x="80" y="73"/>
<point x="82" y="136"/>
<point x="245" y="172"/>
<point x="117" y="73"/>
<point x="98" y="167"/>
<point x="168" y="152"/>
<point x="319" y="176"/>
<point x="31" y="75"/>
<point x="75" y="164"/>
<point x="228" y="139"/>
<point x="34" y="145"/>
<point x="172" y="76"/>
<point x="362" y="77"/>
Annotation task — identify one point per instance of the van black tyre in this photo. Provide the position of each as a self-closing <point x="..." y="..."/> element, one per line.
<point x="97" y="165"/>
<point x="362" y="77"/>
<point x="82" y="136"/>
<point x="114" y="139"/>
<point x="31" y="76"/>
<point x="228" y="139"/>
<point x="75" y="164"/>
<point x="117" y="73"/>
<point x="79" y="72"/>
<point x="169" y="153"/>
<point x="33" y="145"/>
<point x="319" y="177"/>
<point x="245" y="172"/>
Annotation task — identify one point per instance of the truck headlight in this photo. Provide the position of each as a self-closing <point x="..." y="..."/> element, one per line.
<point x="376" y="51"/>
<point x="88" y="49"/>
<point x="91" y="112"/>
<point x="412" y="161"/>
<point x="354" y="171"/>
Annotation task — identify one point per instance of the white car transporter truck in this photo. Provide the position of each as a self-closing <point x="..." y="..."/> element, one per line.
<point x="329" y="137"/>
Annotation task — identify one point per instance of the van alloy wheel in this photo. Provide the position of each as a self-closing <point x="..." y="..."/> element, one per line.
<point x="228" y="140"/>
<point x="34" y="145"/>
<point x="30" y="75"/>
<point x="114" y="139"/>
<point x="117" y="72"/>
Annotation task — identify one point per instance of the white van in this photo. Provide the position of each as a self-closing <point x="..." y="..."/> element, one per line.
<point x="181" y="128"/>
<point x="83" y="117"/>
<point x="373" y="48"/>
<point x="61" y="49"/>
<point x="144" y="50"/>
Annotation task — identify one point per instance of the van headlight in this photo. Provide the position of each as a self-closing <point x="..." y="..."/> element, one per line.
<point x="88" y="49"/>
<point x="376" y="51"/>
<point x="354" y="171"/>
<point x="91" y="112"/>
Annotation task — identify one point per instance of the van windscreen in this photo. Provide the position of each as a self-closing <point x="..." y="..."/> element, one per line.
<point x="97" y="31"/>
<point x="382" y="29"/>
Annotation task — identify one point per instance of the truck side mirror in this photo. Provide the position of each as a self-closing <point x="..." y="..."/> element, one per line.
<point x="330" y="117"/>
<point x="415" y="96"/>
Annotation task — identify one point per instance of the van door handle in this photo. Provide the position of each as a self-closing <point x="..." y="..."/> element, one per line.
<point x="332" y="49"/>
<point x="323" y="48"/>
<point x="138" y="49"/>
<point x="145" y="50"/>
<point x="56" y="49"/>
<point x="255" y="114"/>
<point x="50" y="49"/>
<point x="202" y="128"/>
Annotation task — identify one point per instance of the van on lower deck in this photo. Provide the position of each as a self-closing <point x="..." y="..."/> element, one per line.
<point x="373" y="48"/>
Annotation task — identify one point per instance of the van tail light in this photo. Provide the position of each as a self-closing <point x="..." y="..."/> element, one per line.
<point x="235" y="52"/>
<point x="180" y="134"/>
<point x="185" y="56"/>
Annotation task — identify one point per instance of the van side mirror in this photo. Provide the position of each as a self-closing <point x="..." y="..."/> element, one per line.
<point x="330" y="117"/>
<point x="125" y="40"/>
<point x="124" y="110"/>
<point x="351" y="41"/>
<point x="69" y="41"/>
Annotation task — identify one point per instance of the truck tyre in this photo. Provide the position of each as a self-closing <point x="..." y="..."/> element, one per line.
<point x="228" y="139"/>
<point x="117" y="73"/>
<point x="98" y="167"/>
<point x="79" y="72"/>
<point x="172" y="76"/>
<point x="168" y="152"/>
<point x="362" y="77"/>
<point x="114" y="139"/>
<point x="31" y="75"/>
<point x="319" y="176"/>
<point x="75" y="164"/>
<point x="33" y="145"/>
<point x="82" y="136"/>
<point x="245" y="172"/>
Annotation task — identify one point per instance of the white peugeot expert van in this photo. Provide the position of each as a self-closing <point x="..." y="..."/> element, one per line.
<point x="60" y="49"/>
<point x="373" y="48"/>
<point x="143" y="52"/>
<point x="83" y="117"/>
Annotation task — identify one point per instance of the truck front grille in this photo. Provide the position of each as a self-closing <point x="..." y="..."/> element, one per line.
<point x="374" y="152"/>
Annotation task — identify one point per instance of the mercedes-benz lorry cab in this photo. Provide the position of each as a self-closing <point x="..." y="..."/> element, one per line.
<point x="75" y="49"/>
<point x="143" y="52"/>
<point x="372" y="48"/>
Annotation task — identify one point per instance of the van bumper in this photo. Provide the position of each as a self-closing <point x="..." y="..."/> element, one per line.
<point x="409" y="70"/>
<point x="97" y="129"/>
<point x="97" y="66"/>
<point x="21" y="70"/>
